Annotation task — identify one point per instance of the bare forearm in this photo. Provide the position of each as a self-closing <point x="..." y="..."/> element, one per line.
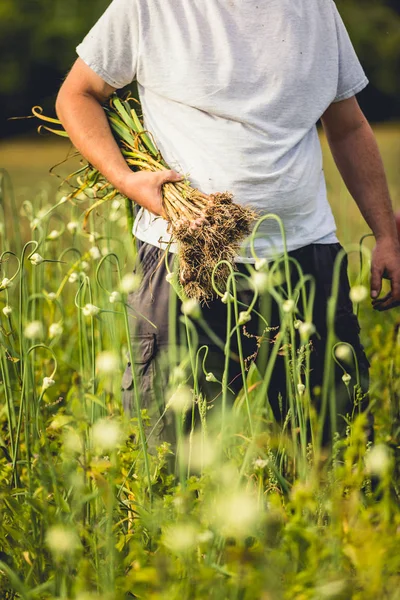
<point x="359" y="162"/>
<point x="85" y="121"/>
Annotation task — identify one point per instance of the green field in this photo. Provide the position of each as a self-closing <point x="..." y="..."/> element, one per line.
<point x="254" y="511"/>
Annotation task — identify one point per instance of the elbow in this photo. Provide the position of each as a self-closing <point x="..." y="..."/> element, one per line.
<point x="61" y="102"/>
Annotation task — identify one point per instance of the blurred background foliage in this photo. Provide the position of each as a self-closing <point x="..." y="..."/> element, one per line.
<point x="38" y="39"/>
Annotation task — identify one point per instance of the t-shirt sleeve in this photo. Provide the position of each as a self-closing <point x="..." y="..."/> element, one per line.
<point x="110" y="48"/>
<point x="352" y="78"/>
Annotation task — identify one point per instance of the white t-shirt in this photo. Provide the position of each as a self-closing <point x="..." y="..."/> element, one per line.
<point x="232" y="91"/>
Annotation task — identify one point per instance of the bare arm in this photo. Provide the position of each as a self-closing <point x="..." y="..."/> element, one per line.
<point x="79" y="108"/>
<point x="357" y="157"/>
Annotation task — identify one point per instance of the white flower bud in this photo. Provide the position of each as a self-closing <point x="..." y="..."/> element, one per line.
<point x="47" y="382"/>
<point x="169" y="277"/>
<point x="244" y="317"/>
<point x="107" y="362"/>
<point x="260" y="463"/>
<point x="55" y="329"/>
<point x="7" y="310"/>
<point x="106" y="434"/>
<point x="95" y="253"/>
<point x="90" y="310"/>
<point x="358" y="293"/>
<point x="211" y="377"/>
<point x="260" y="263"/>
<point x="36" y="259"/>
<point x="54" y="234"/>
<point x="73" y="277"/>
<point x="72" y="226"/>
<point x="346" y="378"/>
<point x="114" y="297"/>
<point x="181" y="399"/>
<point x="288" y="306"/>
<point x="34" y="330"/>
<point x="343" y="352"/>
<point x="260" y="281"/>
<point x="130" y="283"/>
<point x="378" y="460"/>
<point x="34" y="223"/>
<point x="227" y="297"/>
<point x="6" y="283"/>
<point x="51" y="296"/>
<point x="85" y="266"/>
<point x="301" y="388"/>
<point x="115" y="204"/>
<point x="306" y="330"/>
<point x="297" y="323"/>
<point x="62" y="540"/>
<point x="93" y="237"/>
<point x="191" y="308"/>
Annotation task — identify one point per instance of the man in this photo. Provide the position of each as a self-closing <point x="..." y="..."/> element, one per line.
<point x="232" y="91"/>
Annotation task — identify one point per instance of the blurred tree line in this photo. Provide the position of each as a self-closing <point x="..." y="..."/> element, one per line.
<point x="38" y="39"/>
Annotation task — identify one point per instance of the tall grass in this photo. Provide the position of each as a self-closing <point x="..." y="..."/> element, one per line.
<point x="250" y="509"/>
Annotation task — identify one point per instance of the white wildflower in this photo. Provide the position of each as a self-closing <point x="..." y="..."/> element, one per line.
<point x="358" y="293"/>
<point x="73" y="277"/>
<point x="47" y="382"/>
<point x="244" y="317"/>
<point x="114" y="297"/>
<point x="55" y="329"/>
<point x="54" y="234"/>
<point x="130" y="283"/>
<point x="95" y="252"/>
<point x="6" y="283"/>
<point x="51" y="296"/>
<point x="36" y="259"/>
<point x="378" y="460"/>
<point x="170" y="277"/>
<point x="191" y="308"/>
<point x="62" y="540"/>
<point x="34" y="223"/>
<point x="33" y="330"/>
<point x="106" y="434"/>
<point x="115" y="204"/>
<point x="107" y="362"/>
<point x="288" y="306"/>
<point x="90" y="310"/>
<point x="297" y="323"/>
<point x="72" y="226"/>
<point x="85" y="266"/>
<point x="7" y="310"/>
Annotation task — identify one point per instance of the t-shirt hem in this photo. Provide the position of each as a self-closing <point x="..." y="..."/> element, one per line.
<point x="99" y="70"/>
<point x="352" y="91"/>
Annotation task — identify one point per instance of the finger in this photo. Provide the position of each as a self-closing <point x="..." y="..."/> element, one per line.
<point x="386" y="305"/>
<point x="170" y="177"/>
<point x="376" y="280"/>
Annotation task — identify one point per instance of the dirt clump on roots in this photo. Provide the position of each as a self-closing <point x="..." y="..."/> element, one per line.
<point x="206" y="240"/>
